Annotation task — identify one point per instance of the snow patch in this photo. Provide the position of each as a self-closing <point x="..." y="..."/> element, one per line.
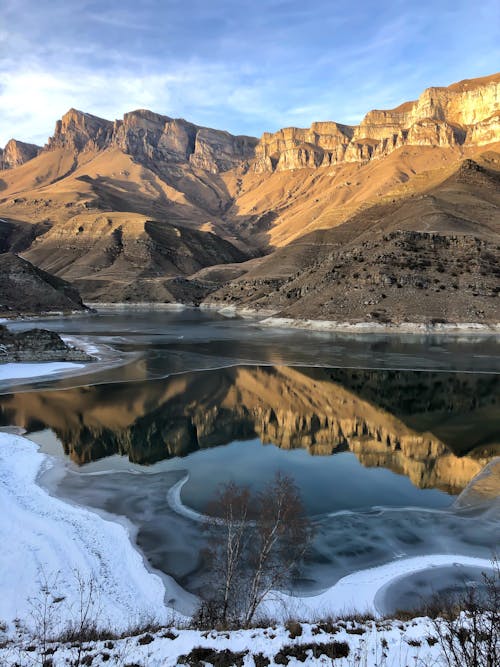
<point x="16" y="371"/>
<point x="46" y="539"/>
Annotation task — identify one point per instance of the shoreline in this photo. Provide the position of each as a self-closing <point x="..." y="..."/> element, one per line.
<point x="69" y="539"/>
<point x="269" y="318"/>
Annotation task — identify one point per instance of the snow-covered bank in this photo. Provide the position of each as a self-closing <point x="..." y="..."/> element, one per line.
<point x="342" y="643"/>
<point x="38" y="370"/>
<point x="362" y="591"/>
<point x="45" y="540"/>
<point x="138" y="305"/>
<point x="377" y="327"/>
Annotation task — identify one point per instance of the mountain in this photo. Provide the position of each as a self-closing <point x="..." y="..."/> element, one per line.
<point x="463" y="113"/>
<point x="152" y="208"/>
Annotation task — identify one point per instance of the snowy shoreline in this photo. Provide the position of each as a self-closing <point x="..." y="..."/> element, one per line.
<point x="47" y="539"/>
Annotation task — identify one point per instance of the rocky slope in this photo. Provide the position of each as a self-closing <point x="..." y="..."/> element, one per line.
<point x="26" y="289"/>
<point x="387" y="419"/>
<point x="431" y="258"/>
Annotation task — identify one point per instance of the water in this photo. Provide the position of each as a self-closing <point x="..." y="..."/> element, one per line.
<point x="380" y="433"/>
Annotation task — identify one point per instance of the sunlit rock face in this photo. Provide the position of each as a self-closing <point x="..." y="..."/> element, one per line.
<point x="79" y="131"/>
<point x="463" y="113"/>
<point x="152" y="137"/>
<point x="17" y="153"/>
<point x="372" y="414"/>
<point x="294" y="148"/>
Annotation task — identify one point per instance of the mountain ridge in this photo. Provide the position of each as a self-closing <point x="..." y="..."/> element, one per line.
<point x="143" y="208"/>
<point x="441" y="114"/>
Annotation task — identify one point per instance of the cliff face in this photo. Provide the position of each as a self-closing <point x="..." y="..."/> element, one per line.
<point x="80" y="131"/>
<point x="152" y="138"/>
<point x="17" y="153"/>
<point x="467" y="112"/>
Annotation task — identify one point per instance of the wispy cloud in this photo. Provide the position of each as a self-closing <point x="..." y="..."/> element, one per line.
<point x="247" y="67"/>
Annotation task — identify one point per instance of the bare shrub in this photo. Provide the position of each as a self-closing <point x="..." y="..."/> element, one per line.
<point x="468" y="626"/>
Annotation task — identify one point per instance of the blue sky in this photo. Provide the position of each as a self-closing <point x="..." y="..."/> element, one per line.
<point x="243" y="66"/>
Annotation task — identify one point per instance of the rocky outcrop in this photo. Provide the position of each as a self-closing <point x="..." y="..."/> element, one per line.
<point x="463" y="113"/>
<point x="217" y="151"/>
<point x="294" y="148"/>
<point x="153" y="139"/>
<point x="26" y="289"/>
<point x="79" y="131"/>
<point x="486" y="131"/>
<point x="17" y="153"/>
<point x="37" y="345"/>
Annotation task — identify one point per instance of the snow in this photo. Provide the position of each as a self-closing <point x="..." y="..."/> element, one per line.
<point x="370" y="645"/>
<point x="377" y="327"/>
<point x="359" y="591"/>
<point x="16" y="371"/>
<point x="47" y="540"/>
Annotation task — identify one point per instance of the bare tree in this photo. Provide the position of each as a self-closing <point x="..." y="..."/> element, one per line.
<point x="468" y="626"/>
<point x="283" y="534"/>
<point x="255" y="545"/>
<point x="229" y="530"/>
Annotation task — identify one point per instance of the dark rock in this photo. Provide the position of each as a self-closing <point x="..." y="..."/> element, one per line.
<point x="37" y="345"/>
<point x="26" y="289"/>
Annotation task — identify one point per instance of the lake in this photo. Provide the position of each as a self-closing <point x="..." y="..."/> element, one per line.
<point x="383" y="435"/>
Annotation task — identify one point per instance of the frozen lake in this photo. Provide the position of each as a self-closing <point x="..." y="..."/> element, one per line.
<point x="381" y="434"/>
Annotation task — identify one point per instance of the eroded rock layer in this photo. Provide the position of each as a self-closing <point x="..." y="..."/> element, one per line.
<point x="467" y="112"/>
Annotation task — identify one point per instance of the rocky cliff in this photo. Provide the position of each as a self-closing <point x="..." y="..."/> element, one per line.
<point x="152" y="138"/>
<point x="463" y="113"/>
<point x="17" y="153"/>
<point x="80" y="131"/>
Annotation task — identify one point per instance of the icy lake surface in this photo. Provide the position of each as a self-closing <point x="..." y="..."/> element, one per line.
<point x="381" y="433"/>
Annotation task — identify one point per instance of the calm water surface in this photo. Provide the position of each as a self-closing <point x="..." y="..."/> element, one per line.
<point x="381" y="434"/>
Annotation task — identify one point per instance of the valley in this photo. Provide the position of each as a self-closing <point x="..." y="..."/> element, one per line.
<point x="394" y="220"/>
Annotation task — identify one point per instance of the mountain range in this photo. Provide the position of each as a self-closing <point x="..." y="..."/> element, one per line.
<point x="395" y="219"/>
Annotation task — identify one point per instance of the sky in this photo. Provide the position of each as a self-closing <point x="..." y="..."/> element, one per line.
<point x="240" y="65"/>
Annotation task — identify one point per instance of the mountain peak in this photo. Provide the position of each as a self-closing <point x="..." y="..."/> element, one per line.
<point x="17" y="153"/>
<point x="79" y="131"/>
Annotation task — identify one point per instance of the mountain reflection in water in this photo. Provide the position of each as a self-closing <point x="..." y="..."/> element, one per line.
<point x="438" y="429"/>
